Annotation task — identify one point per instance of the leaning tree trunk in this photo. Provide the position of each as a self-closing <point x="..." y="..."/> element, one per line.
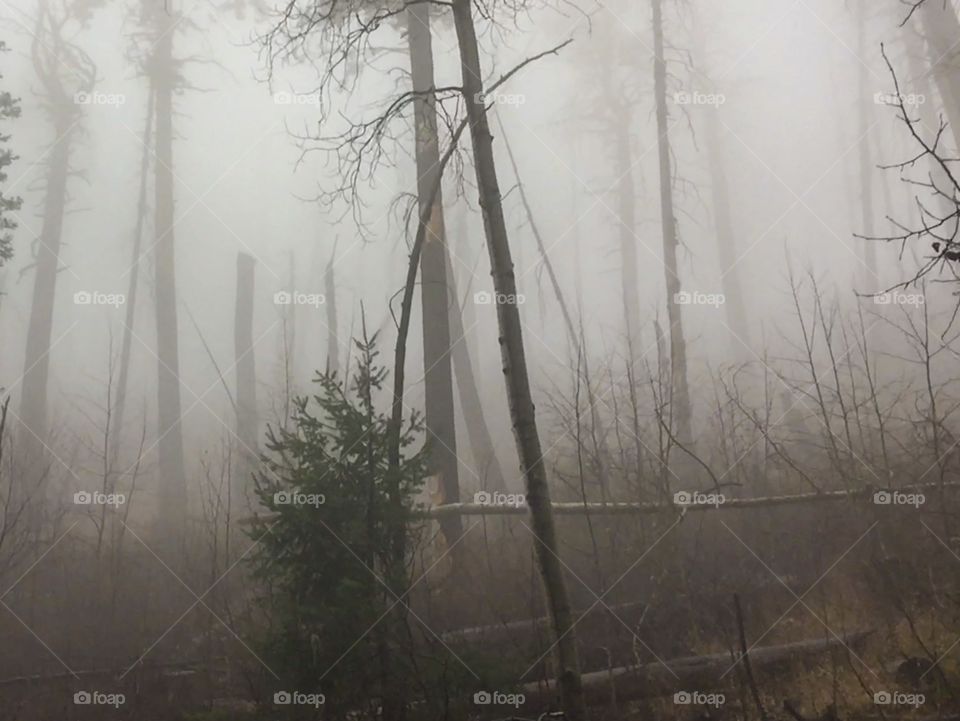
<point x="679" y="391"/>
<point x="246" y="377"/>
<point x="522" y="412"/>
<point x="173" y="492"/>
<point x="36" y="368"/>
<point x="435" y="295"/>
<point x="478" y="432"/>
<point x="942" y="31"/>
<point x="132" y="286"/>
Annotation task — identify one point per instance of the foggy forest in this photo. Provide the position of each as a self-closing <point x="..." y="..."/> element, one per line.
<point x="507" y="360"/>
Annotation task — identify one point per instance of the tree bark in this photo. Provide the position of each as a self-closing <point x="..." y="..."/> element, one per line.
<point x="680" y="394"/>
<point x="330" y="296"/>
<point x="131" y="300"/>
<point x="435" y="297"/>
<point x="247" y="419"/>
<point x="33" y="403"/>
<point x="173" y="492"/>
<point x="522" y="412"/>
<point x="626" y="217"/>
<point x="942" y="31"/>
<point x="478" y="432"/>
<point x="866" y="166"/>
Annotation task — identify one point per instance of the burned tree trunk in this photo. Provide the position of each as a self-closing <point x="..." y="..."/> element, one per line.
<point x="246" y="376"/>
<point x="478" y="433"/>
<point x="33" y="404"/>
<point x="942" y="31"/>
<point x="59" y="65"/>
<point x="330" y="296"/>
<point x="626" y="217"/>
<point x="132" y="287"/>
<point x="435" y="295"/>
<point x="173" y="492"/>
<point x="863" y="148"/>
<point x="519" y="396"/>
<point x="680" y="394"/>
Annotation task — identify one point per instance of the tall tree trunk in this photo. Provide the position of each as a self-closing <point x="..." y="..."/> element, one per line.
<point x="730" y="280"/>
<point x="680" y="394"/>
<point x="36" y="368"/>
<point x="247" y="421"/>
<point x="522" y="412"/>
<point x="330" y="296"/>
<point x="942" y="31"/>
<point x="173" y="493"/>
<point x="120" y="404"/>
<point x="478" y="433"/>
<point x="863" y="148"/>
<point x="435" y="297"/>
<point x="626" y="218"/>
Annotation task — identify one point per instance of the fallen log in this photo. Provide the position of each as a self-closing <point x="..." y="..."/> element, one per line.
<point x="625" y="508"/>
<point x="687" y="673"/>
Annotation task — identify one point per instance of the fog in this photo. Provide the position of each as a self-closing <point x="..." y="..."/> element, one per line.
<point x="279" y="442"/>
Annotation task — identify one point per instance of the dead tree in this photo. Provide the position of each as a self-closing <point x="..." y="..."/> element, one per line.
<point x="65" y="73"/>
<point x="435" y="297"/>
<point x="330" y="295"/>
<point x="512" y="352"/>
<point x="863" y="146"/>
<point x="680" y="395"/>
<point x="120" y="402"/>
<point x="166" y="79"/>
<point x="942" y="30"/>
<point x="247" y="420"/>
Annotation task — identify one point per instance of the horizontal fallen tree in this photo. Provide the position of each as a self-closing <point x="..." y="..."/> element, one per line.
<point x="624" y="508"/>
<point x="688" y="672"/>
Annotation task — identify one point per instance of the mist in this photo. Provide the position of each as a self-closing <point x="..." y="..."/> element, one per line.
<point x="472" y="360"/>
